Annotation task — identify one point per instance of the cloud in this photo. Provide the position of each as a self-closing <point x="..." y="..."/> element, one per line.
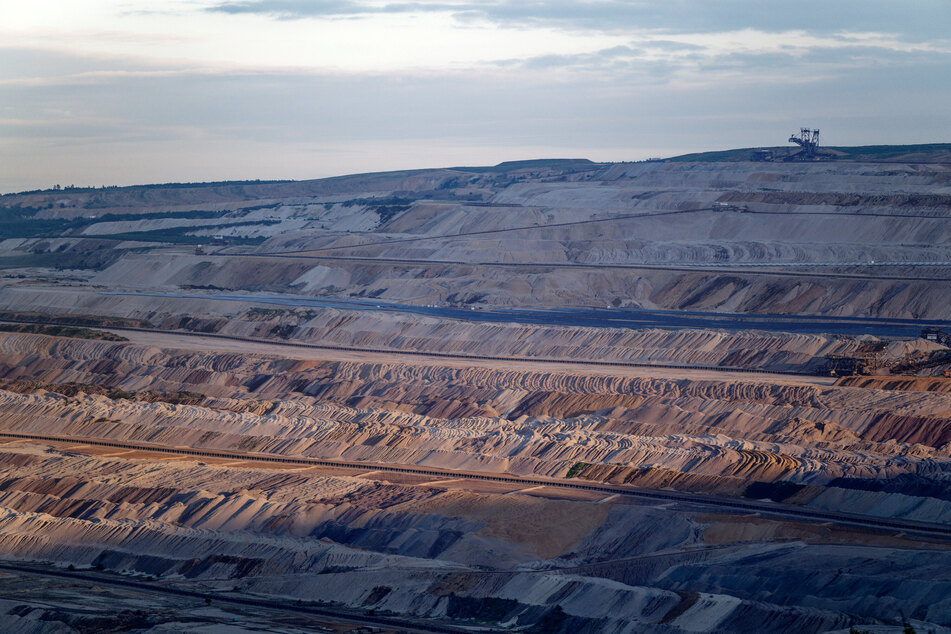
<point x="599" y="60"/>
<point x="298" y="9"/>
<point x="138" y="129"/>
<point x="741" y="57"/>
<point x="674" y="39"/>
<point x="331" y="84"/>
<point x="925" y="19"/>
<point x="670" y="45"/>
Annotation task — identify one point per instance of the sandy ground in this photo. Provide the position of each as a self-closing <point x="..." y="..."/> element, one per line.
<point x="434" y="545"/>
<point x="439" y="482"/>
<point x="197" y="342"/>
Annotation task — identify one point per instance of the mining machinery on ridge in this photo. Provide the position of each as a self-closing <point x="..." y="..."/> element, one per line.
<point x="808" y="140"/>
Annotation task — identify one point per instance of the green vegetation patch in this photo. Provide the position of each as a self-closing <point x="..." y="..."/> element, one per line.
<point x="388" y="201"/>
<point x="937" y="152"/>
<point x="182" y="235"/>
<point x="27" y="260"/>
<point x="388" y="212"/>
<point x="268" y="314"/>
<point x="888" y="152"/>
<point x="74" y="320"/>
<point x="508" y="166"/>
<point x="132" y="189"/>
<point x="23" y="386"/>
<point x="577" y="468"/>
<point x="20" y="222"/>
<point x="173" y="398"/>
<point x="61" y="331"/>
<point x="386" y="208"/>
<point x="75" y="259"/>
<point x="182" y="398"/>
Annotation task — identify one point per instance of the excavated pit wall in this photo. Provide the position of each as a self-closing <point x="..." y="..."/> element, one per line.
<point x="433" y="552"/>
<point x="388" y="331"/>
<point x="689" y="434"/>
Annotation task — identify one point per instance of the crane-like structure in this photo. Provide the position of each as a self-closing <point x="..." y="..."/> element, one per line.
<point x="809" y="141"/>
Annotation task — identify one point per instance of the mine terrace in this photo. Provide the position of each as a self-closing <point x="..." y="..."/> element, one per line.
<point x="708" y="393"/>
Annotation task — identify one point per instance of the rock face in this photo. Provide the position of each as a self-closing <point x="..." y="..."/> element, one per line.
<point x="834" y="239"/>
<point x="425" y="550"/>
<point x="392" y="331"/>
<point x="451" y="552"/>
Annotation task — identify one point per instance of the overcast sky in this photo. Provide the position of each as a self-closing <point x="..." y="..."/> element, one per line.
<point x="102" y="92"/>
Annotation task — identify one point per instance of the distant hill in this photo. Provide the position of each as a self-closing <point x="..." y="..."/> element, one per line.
<point x="250" y="189"/>
<point x="921" y="153"/>
<point x="556" y="164"/>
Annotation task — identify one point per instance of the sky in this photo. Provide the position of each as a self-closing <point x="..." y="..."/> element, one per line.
<point x="117" y="92"/>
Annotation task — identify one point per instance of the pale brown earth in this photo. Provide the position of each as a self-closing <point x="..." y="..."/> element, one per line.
<point x="796" y="441"/>
<point x="916" y="384"/>
<point x="853" y="214"/>
<point x="397" y="333"/>
<point x="317" y="537"/>
<point x="603" y="367"/>
<point x="446" y="549"/>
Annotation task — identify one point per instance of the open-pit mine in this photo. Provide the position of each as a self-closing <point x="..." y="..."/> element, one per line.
<point x="545" y="396"/>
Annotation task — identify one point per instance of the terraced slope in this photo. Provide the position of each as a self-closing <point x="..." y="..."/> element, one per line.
<point x="571" y="402"/>
<point x="866" y="239"/>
